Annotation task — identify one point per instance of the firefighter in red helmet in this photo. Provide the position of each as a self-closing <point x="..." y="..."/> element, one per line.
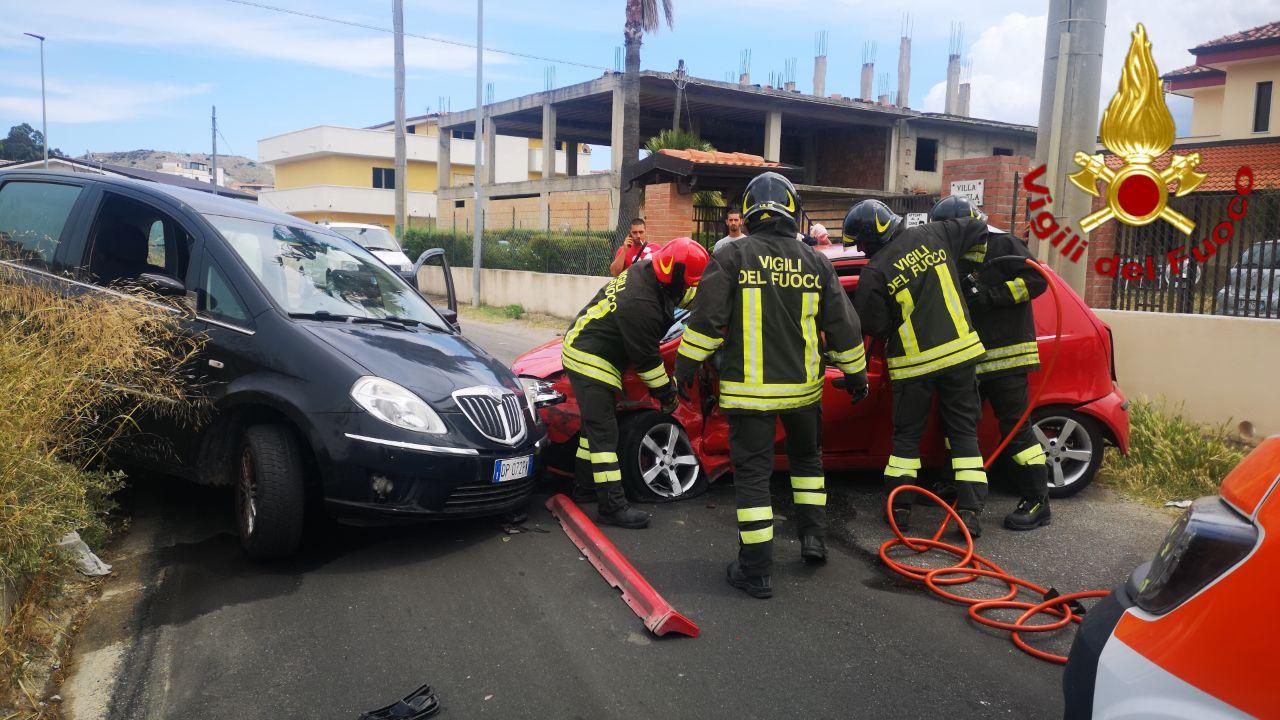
<point x="622" y="327"/>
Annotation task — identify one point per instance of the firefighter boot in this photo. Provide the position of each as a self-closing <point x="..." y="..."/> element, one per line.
<point x="613" y="508"/>
<point x="971" y="498"/>
<point x="813" y="549"/>
<point x="757" y="586"/>
<point x="1030" y="514"/>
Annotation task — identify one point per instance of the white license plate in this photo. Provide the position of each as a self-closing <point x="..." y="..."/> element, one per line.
<point x="512" y="469"/>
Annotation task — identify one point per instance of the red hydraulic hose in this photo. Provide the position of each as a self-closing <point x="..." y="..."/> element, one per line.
<point x="970" y="565"/>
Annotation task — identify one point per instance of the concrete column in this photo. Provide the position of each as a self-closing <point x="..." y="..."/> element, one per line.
<point x="548" y="141"/>
<point x="820" y="76"/>
<point x="615" y="132"/>
<point x="951" y="105"/>
<point x="893" y="156"/>
<point x="962" y="102"/>
<point x="490" y="151"/>
<point x="773" y="135"/>
<point x="544" y="209"/>
<point x="444" y="158"/>
<point x="571" y="158"/>
<point x="904" y="72"/>
<point x="868" y="75"/>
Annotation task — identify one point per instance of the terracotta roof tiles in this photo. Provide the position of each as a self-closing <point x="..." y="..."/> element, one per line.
<point x="1222" y="161"/>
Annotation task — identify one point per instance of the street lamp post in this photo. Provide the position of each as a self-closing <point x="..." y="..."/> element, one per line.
<point x="44" y="118"/>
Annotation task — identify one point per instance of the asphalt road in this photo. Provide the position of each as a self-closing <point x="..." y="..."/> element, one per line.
<point x="520" y="625"/>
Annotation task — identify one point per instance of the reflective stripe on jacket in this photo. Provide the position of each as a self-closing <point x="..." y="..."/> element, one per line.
<point x="623" y="326"/>
<point x="909" y="293"/>
<point x="1005" y="321"/>
<point x="775" y="309"/>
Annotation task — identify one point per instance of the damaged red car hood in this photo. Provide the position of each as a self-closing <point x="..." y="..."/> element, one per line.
<point x="540" y="362"/>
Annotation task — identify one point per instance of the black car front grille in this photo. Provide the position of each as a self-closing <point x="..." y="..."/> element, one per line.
<point x="488" y="498"/>
<point x="497" y="414"/>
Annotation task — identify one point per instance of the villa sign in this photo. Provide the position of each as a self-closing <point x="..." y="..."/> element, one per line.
<point x="970" y="190"/>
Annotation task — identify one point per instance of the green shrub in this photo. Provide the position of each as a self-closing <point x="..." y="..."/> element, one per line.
<point x="1171" y="457"/>
<point x="514" y="311"/>
<point x="573" y="252"/>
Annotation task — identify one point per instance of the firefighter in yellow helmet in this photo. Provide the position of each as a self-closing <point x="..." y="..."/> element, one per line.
<point x="776" y="311"/>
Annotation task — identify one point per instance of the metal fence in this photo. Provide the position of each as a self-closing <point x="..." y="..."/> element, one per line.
<point x="1240" y="278"/>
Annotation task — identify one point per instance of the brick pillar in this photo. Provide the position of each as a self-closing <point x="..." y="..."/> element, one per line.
<point x="1102" y="243"/>
<point x="1000" y="174"/>
<point x="668" y="213"/>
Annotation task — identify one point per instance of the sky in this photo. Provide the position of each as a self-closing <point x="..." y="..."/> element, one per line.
<point x="135" y="74"/>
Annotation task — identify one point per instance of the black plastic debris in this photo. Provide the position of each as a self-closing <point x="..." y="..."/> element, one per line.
<point x="421" y="703"/>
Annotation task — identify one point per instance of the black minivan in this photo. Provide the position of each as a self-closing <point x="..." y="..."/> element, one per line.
<point x="335" y="385"/>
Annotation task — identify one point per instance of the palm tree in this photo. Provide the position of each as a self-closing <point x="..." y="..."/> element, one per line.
<point x="642" y="17"/>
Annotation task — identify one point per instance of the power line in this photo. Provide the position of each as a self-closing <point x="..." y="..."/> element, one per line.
<point x="430" y="38"/>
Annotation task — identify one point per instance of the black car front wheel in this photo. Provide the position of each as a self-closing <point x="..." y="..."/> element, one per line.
<point x="658" y="462"/>
<point x="270" y="498"/>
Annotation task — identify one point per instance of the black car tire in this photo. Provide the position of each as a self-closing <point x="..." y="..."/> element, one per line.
<point x="1085" y="433"/>
<point x="269" y="474"/>
<point x="636" y="457"/>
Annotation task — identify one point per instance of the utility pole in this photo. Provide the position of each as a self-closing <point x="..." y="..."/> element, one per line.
<point x="402" y="168"/>
<point x="1069" y="99"/>
<point x="681" y="80"/>
<point x="478" y="232"/>
<point x="213" y="166"/>
<point x="44" y="117"/>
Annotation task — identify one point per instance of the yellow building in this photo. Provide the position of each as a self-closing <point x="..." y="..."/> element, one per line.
<point x="340" y="174"/>
<point x="1232" y="85"/>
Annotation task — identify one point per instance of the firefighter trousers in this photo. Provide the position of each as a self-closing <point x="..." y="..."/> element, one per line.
<point x="597" y="463"/>
<point x="957" y="392"/>
<point x="751" y="438"/>
<point x="1008" y="397"/>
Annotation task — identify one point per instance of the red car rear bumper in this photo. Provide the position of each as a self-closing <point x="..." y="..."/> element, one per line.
<point x="1112" y="410"/>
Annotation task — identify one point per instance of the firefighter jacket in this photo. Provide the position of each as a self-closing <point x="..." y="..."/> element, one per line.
<point x="1002" y="316"/>
<point x="910" y="294"/>
<point x="774" y="306"/>
<point x="621" y="326"/>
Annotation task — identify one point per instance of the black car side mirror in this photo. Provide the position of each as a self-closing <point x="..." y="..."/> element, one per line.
<point x="451" y="316"/>
<point x="161" y="284"/>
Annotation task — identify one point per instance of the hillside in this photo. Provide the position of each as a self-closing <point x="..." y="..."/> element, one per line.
<point x="236" y="167"/>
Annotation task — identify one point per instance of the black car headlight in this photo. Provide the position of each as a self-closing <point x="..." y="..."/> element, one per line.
<point x="1207" y="541"/>
<point x="539" y="393"/>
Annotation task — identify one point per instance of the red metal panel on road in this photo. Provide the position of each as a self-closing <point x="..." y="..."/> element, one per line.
<point x="657" y="613"/>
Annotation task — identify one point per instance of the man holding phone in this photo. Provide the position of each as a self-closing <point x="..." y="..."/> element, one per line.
<point x="633" y="250"/>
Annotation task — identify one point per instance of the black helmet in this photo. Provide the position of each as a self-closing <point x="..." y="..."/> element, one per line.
<point x="769" y="195"/>
<point x="955" y="206"/>
<point x="869" y="225"/>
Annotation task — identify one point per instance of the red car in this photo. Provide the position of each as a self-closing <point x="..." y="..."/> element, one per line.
<point x="665" y="457"/>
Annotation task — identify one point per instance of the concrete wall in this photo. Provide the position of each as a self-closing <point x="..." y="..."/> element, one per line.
<point x="552" y="294"/>
<point x="572" y="210"/>
<point x="1240" y="93"/>
<point x="1222" y="368"/>
<point x="953" y="144"/>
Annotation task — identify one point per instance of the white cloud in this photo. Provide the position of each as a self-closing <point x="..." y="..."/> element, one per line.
<point x="243" y="32"/>
<point x="92" y="102"/>
<point x="1008" y="55"/>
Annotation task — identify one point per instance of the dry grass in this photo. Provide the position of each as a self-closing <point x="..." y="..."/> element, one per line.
<point x="1171" y="457"/>
<point x="75" y="375"/>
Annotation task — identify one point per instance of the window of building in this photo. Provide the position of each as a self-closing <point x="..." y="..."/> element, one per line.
<point x="411" y="129"/>
<point x="32" y="217"/>
<point x="1262" y="107"/>
<point x="464" y="134"/>
<point x="926" y="155"/>
<point x="384" y="178"/>
<point x="1001" y="151"/>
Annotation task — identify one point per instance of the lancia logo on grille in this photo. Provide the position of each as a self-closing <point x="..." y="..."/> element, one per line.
<point x="496" y="412"/>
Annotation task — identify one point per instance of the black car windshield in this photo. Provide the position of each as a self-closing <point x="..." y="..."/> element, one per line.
<point x="370" y="238"/>
<point x="314" y="273"/>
